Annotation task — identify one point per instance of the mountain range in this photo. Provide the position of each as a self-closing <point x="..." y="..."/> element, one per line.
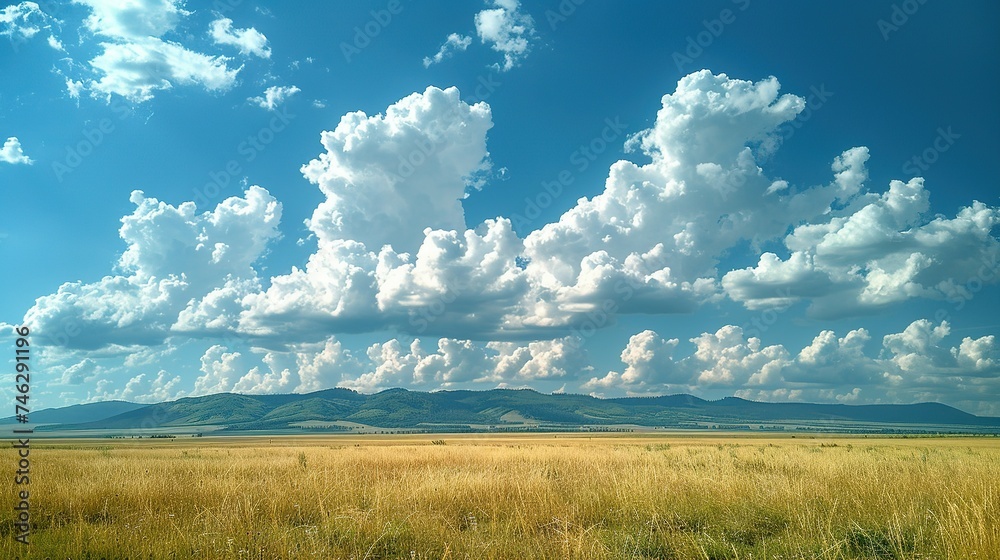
<point x="79" y="413"/>
<point x="494" y="410"/>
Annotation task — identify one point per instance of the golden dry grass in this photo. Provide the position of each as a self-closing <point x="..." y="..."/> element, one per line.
<point x="512" y="497"/>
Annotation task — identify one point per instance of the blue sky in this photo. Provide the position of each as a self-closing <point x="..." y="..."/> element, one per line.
<point x="776" y="200"/>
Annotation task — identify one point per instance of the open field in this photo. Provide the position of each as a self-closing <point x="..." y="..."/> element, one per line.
<point x="532" y="496"/>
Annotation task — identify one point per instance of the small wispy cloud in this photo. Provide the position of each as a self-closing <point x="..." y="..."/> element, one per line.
<point x="274" y="96"/>
<point x="454" y="43"/>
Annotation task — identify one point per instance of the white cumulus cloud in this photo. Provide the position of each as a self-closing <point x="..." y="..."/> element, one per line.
<point x="395" y="253"/>
<point x="658" y="230"/>
<point x="180" y="269"/>
<point x="12" y="153"/>
<point x="507" y="30"/>
<point x="880" y="250"/>
<point x="142" y="388"/>
<point x="917" y="364"/>
<point x="394" y="250"/>
<point x="453" y="363"/>
<point x="387" y="177"/>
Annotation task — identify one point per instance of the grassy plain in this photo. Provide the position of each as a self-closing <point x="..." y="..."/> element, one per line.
<point x="528" y="496"/>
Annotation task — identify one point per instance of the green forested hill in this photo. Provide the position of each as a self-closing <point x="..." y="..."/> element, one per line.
<point x="399" y="408"/>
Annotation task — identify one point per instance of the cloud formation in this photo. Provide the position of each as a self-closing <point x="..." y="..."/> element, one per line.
<point x="923" y="362"/>
<point x="451" y="363"/>
<point x="136" y="61"/>
<point x="135" y="70"/>
<point x="181" y="272"/>
<point x="12" y="153"/>
<point x="661" y="228"/>
<point x="248" y="41"/>
<point x="454" y="43"/>
<point x="504" y="27"/>
<point x="880" y="251"/>
<point x="274" y="96"/>
<point x="507" y="30"/>
<point x="394" y="252"/>
<point x="913" y="365"/>
<point x="133" y="19"/>
<point x="20" y="22"/>
<point x="389" y="176"/>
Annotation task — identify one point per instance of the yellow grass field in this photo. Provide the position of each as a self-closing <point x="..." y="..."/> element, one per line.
<point x="664" y="496"/>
